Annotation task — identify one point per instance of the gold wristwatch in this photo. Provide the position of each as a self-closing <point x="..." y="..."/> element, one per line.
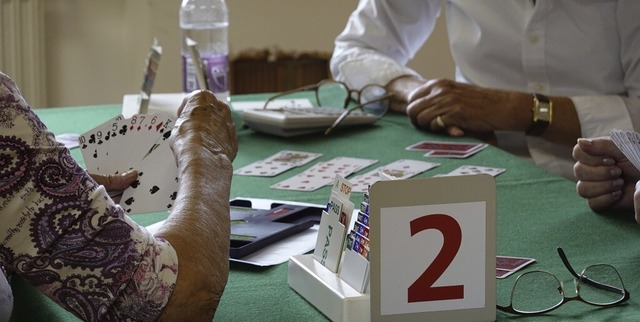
<point x="542" y="114"/>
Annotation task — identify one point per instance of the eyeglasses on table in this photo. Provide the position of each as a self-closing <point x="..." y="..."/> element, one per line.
<point x="372" y="99"/>
<point x="539" y="292"/>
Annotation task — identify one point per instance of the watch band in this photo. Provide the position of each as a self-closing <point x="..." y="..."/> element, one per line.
<point x="542" y="114"/>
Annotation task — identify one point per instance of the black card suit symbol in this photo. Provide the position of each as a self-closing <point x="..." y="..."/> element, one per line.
<point x="129" y="201"/>
<point x="135" y="184"/>
<point x="174" y="195"/>
<point x="154" y="189"/>
<point x="123" y="130"/>
<point x="84" y="146"/>
<point x="92" y="138"/>
<point x="95" y="154"/>
<point x="169" y="206"/>
<point x="166" y="135"/>
<point x="140" y="174"/>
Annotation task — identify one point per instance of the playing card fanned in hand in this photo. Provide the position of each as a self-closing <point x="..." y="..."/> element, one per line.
<point x="140" y="143"/>
<point x="629" y="143"/>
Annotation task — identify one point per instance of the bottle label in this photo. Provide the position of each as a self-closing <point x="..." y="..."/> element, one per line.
<point x="216" y="70"/>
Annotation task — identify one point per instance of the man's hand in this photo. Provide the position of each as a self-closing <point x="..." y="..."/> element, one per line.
<point x="606" y="178"/>
<point x="457" y="108"/>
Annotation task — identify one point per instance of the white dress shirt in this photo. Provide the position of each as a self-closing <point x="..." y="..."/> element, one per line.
<point x="588" y="50"/>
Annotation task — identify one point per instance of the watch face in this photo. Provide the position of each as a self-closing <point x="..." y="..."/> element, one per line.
<point x="542" y="111"/>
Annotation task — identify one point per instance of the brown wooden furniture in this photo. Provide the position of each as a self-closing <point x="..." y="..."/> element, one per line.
<point x="271" y="70"/>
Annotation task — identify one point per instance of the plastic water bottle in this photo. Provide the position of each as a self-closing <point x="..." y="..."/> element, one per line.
<point x="206" y="22"/>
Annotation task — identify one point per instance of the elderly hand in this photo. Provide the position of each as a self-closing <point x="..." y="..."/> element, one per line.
<point x="443" y="104"/>
<point x="115" y="184"/>
<point x="606" y="178"/>
<point x="205" y="121"/>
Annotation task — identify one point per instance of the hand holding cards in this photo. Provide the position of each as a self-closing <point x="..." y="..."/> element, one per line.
<point x="140" y="143"/>
<point x="629" y="143"/>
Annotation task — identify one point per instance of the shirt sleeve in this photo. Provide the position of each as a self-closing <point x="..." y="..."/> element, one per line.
<point x="599" y="114"/>
<point x="380" y="38"/>
<point x="60" y="231"/>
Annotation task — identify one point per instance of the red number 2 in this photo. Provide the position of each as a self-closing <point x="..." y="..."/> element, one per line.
<point x="422" y="289"/>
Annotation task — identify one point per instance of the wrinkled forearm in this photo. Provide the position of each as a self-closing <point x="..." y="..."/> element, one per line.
<point x="204" y="145"/>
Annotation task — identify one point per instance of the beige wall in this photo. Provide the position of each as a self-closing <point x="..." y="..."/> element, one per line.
<point x="96" y="49"/>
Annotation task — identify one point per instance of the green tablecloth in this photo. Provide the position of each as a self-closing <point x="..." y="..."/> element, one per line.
<point x="536" y="212"/>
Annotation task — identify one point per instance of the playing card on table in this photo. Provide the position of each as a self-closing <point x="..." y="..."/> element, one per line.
<point x="277" y="163"/>
<point x="507" y="265"/>
<point x="447" y="149"/>
<point x="629" y="143"/>
<point x="296" y="157"/>
<point x="474" y="169"/>
<point x="400" y="169"/>
<point x="323" y="173"/>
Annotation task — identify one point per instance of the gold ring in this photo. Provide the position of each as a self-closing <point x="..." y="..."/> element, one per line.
<point x="440" y="123"/>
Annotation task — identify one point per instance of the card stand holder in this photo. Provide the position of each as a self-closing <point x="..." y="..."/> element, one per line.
<point x="325" y="290"/>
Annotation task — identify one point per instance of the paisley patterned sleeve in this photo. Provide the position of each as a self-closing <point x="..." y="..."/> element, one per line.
<point x="61" y="232"/>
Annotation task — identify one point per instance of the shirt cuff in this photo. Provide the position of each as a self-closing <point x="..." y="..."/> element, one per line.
<point x="600" y="114"/>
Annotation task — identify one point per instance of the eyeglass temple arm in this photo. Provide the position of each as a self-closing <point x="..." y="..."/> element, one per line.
<point x="339" y="120"/>
<point x="300" y="89"/>
<point x="587" y="280"/>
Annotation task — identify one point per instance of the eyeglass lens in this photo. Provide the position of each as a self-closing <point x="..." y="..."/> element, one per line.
<point x="332" y="94"/>
<point x="603" y="274"/>
<point x="335" y="94"/>
<point x="373" y="99"/>
<point x="536" y="291"/>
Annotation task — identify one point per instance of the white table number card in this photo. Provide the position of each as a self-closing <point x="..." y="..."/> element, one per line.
<point x="433" y="249"/>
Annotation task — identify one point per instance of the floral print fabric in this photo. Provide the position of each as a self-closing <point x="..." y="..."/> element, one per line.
<point x="61" y="232"/>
